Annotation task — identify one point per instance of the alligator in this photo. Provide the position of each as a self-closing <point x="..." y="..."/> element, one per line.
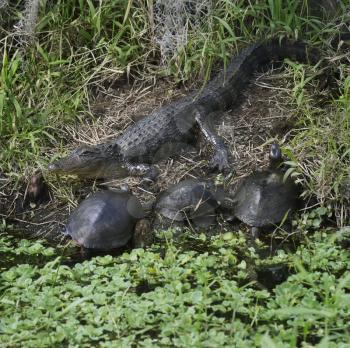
<point x="165" y="131"/>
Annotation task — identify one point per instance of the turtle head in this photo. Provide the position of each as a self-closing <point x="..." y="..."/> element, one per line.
<point x="275" y="156"/>
<point x="91" y="162"/>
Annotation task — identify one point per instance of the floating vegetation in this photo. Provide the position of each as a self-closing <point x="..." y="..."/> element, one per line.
<point x="179" y="298"/>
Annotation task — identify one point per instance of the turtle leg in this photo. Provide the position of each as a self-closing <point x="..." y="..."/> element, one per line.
<point x="220" y="158"/>
<point x="255" y="232"/>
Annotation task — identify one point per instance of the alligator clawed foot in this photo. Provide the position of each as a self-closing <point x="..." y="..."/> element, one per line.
<point x="219" y="161"/>
<point x="146" y="184"/>
<point x="152" y="174"/>
<point x="149" y="178"/>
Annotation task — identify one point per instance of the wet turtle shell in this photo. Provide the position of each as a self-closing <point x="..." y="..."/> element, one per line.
<point x="190" y="199"/>
<point x="105" y="220"/>
<point x="264" y="198"/>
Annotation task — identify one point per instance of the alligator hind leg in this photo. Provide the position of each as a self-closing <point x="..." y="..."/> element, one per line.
<point x="220" y="158"/>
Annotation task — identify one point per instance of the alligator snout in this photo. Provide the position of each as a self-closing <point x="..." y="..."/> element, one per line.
<point x="53" y="167"/>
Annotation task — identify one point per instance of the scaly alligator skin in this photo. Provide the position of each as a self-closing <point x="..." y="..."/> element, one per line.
<point x="163" y="132"/>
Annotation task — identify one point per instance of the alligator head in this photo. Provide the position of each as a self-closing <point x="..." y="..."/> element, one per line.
<point x="100" y="161"/>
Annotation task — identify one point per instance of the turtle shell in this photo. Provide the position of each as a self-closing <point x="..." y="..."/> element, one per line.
<point x="263" y="198"/>
<point x="105" y="220"/>
<point x="189" y="199"/>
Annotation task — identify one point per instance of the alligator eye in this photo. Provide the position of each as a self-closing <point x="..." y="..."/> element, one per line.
<point x="83" y="151"/>
<point x="86" y="153"/>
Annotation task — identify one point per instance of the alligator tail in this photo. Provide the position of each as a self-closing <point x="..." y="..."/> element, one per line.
<point x="296" y="50"/>
<point x="222" y="92"/>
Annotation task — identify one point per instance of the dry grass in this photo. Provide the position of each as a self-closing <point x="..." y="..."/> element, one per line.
<point x="262" y="115"/>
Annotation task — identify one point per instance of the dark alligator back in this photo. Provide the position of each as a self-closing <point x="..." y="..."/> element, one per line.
<point x="166" y="130"/>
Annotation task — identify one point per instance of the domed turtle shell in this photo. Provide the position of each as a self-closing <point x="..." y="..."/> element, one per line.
<point x="263" y="198"/>
<point x="105" y="220"/>
<point x="192" y="198"/>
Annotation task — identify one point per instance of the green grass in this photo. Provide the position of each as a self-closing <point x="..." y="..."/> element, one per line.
<point x="320" y="146"/>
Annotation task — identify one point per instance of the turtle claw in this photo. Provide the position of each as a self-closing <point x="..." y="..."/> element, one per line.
<point x="219" y="161"/>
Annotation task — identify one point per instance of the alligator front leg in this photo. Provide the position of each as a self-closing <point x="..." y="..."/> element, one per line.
<point x="149" y="172"/>
<point x="220" y="158"/>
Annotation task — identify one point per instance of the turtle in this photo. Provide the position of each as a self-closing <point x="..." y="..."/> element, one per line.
<point x="191" y="200"/>
<point x="109" y="219"/>
<point x="265" y="198"/>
